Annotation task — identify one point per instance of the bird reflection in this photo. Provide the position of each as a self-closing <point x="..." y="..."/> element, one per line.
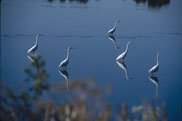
<point x="123" y="66"/>
<point x="33" y="59"/>
<point x="155" y="80"/>
<point x="112" y="38"/>
<point x="65" y="74"/>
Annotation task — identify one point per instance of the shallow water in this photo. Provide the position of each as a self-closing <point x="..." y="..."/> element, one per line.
<point x="84" y="26"/>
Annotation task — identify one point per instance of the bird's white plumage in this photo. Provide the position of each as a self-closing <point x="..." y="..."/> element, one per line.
<point x="65" y="62"/>
<point x="155" y="68"/>
<point x="112" y="30"/>
<point x="123" y="55"/>
<point x="34" y="47"/>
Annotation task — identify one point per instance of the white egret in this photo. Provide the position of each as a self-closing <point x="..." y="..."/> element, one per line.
<point x="112" y="38"/>
<point x="65" y="74"/>
<point x="155" y="68"/>
<point x="123" y="55"/>
<point x="34" y="47"/>
<point x="123" y="66"/>
<point x="65" y="62"/>
<point x="112" y="30"/>
<point x="155" y="80"/>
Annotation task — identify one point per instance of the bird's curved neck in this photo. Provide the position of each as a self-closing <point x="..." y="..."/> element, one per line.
<point x="36" y="41"/>
<point x="157" y="59"/>
<point x="115" y="25"/>
<point x="68" y="52"/>
<point x="126" y="47"/>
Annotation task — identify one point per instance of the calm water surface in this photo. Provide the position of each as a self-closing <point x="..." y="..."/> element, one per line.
<point x="84" y="26"/>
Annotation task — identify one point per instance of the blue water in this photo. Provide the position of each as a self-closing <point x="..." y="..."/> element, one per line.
<point x="84" y="27"/>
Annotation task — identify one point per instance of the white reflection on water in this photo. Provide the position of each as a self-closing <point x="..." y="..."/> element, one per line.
<point x="124" y="67"/>
<point x="112" y="38"/>
<point x="155" y="81"/>
<point x="65" y="74"/>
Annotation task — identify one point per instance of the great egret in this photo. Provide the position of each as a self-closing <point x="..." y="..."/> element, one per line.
<point x="111" y="31"/>
<point x="65" y="74"/>
<point x="155" y="80"/>
<point x="123" y="66"/>
<point x="34" y="47"/>
<point x="112" y="38"/>
<point x="123" y="55"/>
<point x="155" y="68"/>
<point x="65" y="62"/>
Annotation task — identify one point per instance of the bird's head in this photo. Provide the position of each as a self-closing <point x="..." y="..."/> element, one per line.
<point x="70" y="48"/>
<point x="129" y="43"/>
<point x="38" y="34"/>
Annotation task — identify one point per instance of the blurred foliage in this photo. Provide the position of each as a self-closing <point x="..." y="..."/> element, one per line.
<point x="85" y="101"/>
<point x="154" y="3"/>
<point x="76" y="1"/>
<point x="150" y="3"/>
<point x="37" y="74"/>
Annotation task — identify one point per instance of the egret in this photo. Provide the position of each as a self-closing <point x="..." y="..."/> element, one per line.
<point x="112" y="38"/>
<point x="111" y="31"/>
<point x="155" y="80"/>
<point x="123" y="55"/>
<point x="34" y="47"/>
<point x="155" y="68"/>
<point x="65" y="62"/>
<point x="65" y="74"/>
<point x="123" y="66"/>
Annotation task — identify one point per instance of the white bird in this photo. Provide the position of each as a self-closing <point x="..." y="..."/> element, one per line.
<point x="155" y="80"/>
<point x="111" y="31"/>
<point x="155" y="68"/>
<point x="123" y="66"/>
<point x="65" y="74"/>
<point x="65" y="62"/>
<point x="123" y="55"/>
<point x="34" y="47"/>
